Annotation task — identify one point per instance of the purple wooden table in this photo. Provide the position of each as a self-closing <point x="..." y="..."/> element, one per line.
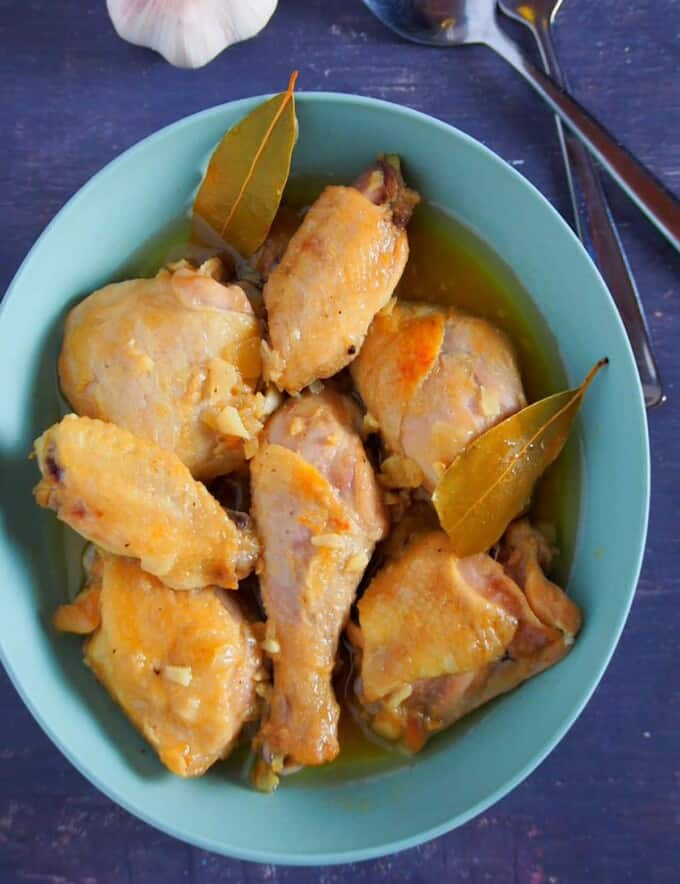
<point x="605" y="806"/>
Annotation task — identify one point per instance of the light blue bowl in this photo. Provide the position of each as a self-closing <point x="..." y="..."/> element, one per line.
<point x="354" y="811"/>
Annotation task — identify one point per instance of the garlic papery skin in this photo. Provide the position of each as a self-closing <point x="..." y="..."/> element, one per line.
<point x="189" y="33"/>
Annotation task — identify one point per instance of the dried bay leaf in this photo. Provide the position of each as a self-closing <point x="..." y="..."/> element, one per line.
<point x="491" y="481"/>
<point x="243" y="184"/>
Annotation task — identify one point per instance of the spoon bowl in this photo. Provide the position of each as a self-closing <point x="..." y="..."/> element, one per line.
<point x="534" y="13"/>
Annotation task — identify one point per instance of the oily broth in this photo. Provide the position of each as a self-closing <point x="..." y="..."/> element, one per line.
<point x="449" y="264"/>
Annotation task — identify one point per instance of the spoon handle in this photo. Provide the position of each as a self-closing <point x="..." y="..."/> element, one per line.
<point x="597" y="230"/>
<point x="660" y="206"/>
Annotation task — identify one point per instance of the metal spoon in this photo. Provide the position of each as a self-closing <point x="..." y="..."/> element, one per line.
<point x="461" y="22"/>
<point x="594" y="221"/>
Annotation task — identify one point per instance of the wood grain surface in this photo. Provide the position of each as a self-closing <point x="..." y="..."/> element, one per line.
<point x="605" y="806"/>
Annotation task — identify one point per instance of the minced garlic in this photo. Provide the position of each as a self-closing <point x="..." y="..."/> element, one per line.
<point x="271" y="400"/>
<point x="397" y="697"/>
<point x="355" y="563"/>
<point x="213" y="267"/>
<point x="400" y="472"/>
<point x="178" y="674"/>
<point x="491" y="406"/>
<point x="272" y="363"/>
<point x="229" y="423"/>
<point x="370" y="424"/>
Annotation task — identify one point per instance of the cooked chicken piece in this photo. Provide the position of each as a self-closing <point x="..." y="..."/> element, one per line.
<point x="174" y="359"/>
<point x="434" y="379"/>
<point x="135" y="499"/>
<point x="184" y="666"/>
<point x="318" y="512"/>
<point x="340" y="267"/>
<point x="439" y="636"/>
<point x="526" y="555"/>
<point x="426" y="614"/>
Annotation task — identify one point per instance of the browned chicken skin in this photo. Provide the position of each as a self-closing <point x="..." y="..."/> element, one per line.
<point x="434" y="379"/>
<point x="135" y="499"/>
<point x="183" y="666"/>
<point x="439" y="636"/>
<point x="339" y="268"/>
<point x="318" y="513"/>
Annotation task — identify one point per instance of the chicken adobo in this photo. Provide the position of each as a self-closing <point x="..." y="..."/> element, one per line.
<point x="327" y="410"/>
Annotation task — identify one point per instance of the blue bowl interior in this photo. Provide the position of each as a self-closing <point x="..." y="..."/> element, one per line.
<point x="356" y="810"/>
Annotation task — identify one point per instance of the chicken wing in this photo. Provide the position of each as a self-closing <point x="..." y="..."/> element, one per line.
<point x="183" y="666"/>
<point x="135" y="499"/>
<point x="318" y="512"/>
<point x="339" y="268"/>
<point x="434" y="379"/>
<point x="439" y="636"/>
<point x="174" y="359"/>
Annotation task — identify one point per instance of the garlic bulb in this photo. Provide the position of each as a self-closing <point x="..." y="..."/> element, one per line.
<point x="189" y="33"/>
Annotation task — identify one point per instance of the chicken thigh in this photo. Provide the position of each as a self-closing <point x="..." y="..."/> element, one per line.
<point x="174" y="359"/>
<point x="434" y="379"/>
<point x="439" y="636"/>
<point x="339" y="268"/>
<point x="135" y="499"/>
<point x="184" y="666"/>
<point x="318" y="512"/>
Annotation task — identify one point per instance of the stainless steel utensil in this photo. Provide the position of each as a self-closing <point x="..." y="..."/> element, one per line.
<point x="443" y="23"/>
<point x="594" y="221"/>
